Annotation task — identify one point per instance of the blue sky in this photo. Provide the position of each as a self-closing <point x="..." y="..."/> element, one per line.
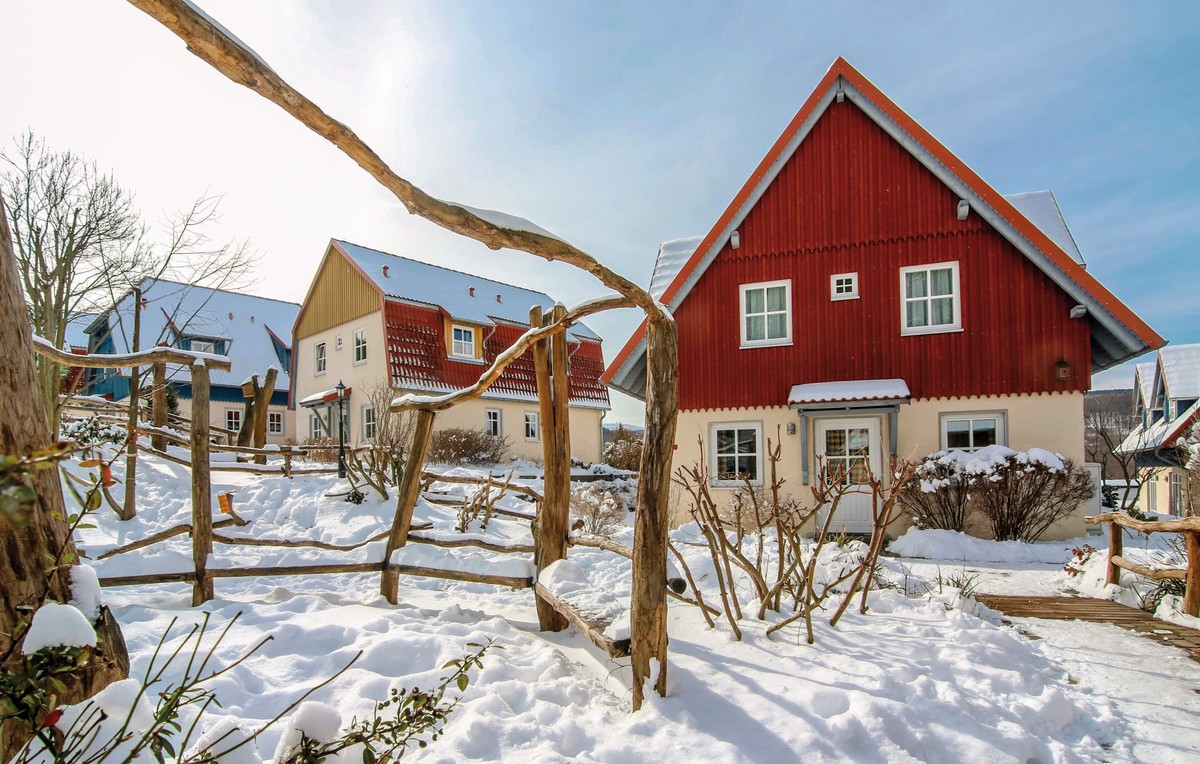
<point x="619" y="125"/>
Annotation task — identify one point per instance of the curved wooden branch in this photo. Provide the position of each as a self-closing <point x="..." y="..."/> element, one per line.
<point x="1156" y="574"/>
<point x="514" y="351"/>
<point x="215" y="45"/>
<point x="128" y="360"/>
<point x="1146" y="526"/>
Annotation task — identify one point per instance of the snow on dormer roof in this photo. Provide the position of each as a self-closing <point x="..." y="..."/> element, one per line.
<point x="1181" y="370"/>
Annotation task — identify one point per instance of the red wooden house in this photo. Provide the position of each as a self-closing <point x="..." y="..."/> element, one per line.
<point x="866" y="293"/>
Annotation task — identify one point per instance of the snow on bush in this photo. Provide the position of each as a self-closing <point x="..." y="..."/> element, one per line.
<point x="936" y="544"/>
<point x="226" y="740"/>
<point x="92" y="432"/>
<point x="461" y="445"/>
<point x="85" y="591"/>
<point x="56" y="625"/>
<point x="1019" y="494"/>
<point x="624" y="451"/>
<point x="600" y="508"/>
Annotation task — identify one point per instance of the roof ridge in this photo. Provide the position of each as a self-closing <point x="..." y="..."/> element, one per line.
<point x="444" y="268"/>
<point x="211" y="289"/>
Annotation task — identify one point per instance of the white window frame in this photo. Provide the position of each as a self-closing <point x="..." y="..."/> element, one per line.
<point x="316" y="426"/>
<point x="487" y="422"/>
<point x="787" y="311"/>
<point x="455" y="342"/>
<point x="534" y="418"/>
<point x="360" y="344"/>
<point x="320" y="359"/>
<point x="368" y="423"/>
<point x="945" y="417"/>
<point x="759" y="453"/>
<point x="230" y="415"/>
<point x="851" y="294"/>
<point x="274" y="422"/>
<point x="202" y="346"/>
<point x="1175" y="494"/>
<point x="955" y="298"/>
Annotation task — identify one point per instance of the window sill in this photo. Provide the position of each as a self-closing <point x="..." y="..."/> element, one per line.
<point x="533" y="440"/>
<point x="930" y="330"/>
<point x="733" y="484"/>
<point x="766" y="344"/>
<point x="359" y="363"/>
<point x="318" y="373"/>
<point x="467" y="359"/>
<point x="842" y="297"/>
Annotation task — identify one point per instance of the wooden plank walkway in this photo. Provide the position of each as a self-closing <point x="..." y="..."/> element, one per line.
<point x="1097" y="611"/>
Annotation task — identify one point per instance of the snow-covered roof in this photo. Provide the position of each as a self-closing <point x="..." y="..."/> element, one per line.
<point x="671" y="257"/>
<point x="1160" y="434"/>
<point x="241" y="319"/>
<point x="1181" y="370"/>
<point x="881" y="390"/>
<point x="1143" y="377"/>
<point x="468" y="298"/>
<point x="1041" y="209"/>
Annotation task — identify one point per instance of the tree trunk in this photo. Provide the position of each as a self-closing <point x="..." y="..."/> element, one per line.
<point x="550" y="528"/>
<point x="262" y="407"/>
<point x="24" y="584"/>
<point x="648" y="617"/>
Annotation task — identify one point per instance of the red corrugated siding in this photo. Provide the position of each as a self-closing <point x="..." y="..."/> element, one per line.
<point x="851" y="199"/>
<point x="416" y="352"/>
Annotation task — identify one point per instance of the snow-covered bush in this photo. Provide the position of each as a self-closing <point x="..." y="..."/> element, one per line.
<point x="1022" y="493"/>
<point x="1019" y="494"/>
<point x="938" y="498"/>
<point x="92" y="432"/>
<point x="461" y="445"/>
<point x="624" y="450"/>
<point x="598" y="509"/>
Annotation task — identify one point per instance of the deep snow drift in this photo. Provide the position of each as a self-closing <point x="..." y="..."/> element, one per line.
<point x="916" y="679"/>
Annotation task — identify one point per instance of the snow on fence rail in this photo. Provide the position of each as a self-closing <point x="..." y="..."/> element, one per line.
<point x="1188" y="528"/>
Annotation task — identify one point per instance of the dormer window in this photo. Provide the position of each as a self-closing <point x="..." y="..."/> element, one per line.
<point x="205" y="345"/>
<point x="462" y="342"/>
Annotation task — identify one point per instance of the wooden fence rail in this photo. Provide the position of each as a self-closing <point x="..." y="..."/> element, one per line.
<point x="1187" y="527"/>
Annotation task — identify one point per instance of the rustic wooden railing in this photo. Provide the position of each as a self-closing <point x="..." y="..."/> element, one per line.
<point x="1188" y="528"/>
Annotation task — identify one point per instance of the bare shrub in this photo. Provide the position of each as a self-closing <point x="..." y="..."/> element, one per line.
<point x="1021" y="494"/>
<point x="938" y="495"/>
<point x="460" y="445"/>
<point x="598" y="509"/>
<point x="323" y="449"/>
<point x="380" y="462"/>
<point x="624" y="450"/>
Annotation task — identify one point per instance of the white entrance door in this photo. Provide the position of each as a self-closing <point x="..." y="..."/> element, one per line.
<point x="848" y="447"/>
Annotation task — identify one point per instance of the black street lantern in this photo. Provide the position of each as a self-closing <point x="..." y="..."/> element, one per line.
<point x="341" y="399"/>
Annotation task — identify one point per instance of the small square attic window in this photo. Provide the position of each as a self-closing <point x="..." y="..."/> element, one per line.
<point x="843" y="286"/>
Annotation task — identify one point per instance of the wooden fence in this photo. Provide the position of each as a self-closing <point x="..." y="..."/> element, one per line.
<point x="1188" y="528"/>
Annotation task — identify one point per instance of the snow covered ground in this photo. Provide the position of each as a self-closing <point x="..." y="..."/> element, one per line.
<point x="916" y="679"/>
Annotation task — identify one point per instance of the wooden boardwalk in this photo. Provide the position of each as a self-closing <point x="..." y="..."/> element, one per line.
<point x="1097" y="611"/>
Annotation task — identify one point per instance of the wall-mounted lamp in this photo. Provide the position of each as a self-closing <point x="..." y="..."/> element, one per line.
<point x="964" y="209"/>
<point x="1079" y="311"/>
<point x="1062" y="369"/>
<point x="735" y="240"/>
<point x="840" y="95"/>
<point x="791" y="428"/>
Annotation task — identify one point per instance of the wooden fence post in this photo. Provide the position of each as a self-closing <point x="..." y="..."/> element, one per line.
<point x="1116" y="541"/>
<point x="1191" y="595"/>
<point x="550" y="527"/>
<point x="202" y="541"/>
<point x="158" y="406"/>
<point x="408" y="491"/>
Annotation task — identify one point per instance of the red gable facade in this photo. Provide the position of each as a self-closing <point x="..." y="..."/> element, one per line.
<point x="866" y="293"/>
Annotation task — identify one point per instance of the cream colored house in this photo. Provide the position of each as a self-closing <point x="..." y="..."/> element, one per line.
<point x="1166" y="398"/>
<point x="384" y="325"/>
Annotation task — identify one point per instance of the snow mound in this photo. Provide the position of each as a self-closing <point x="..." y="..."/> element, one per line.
<point x="959" y="547"/>
<point x="56" y="625"/>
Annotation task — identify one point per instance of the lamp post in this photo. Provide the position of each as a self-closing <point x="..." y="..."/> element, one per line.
<point x="341" y="399"/>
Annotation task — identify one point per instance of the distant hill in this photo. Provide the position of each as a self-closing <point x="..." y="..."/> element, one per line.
<point x="611" y="427"/>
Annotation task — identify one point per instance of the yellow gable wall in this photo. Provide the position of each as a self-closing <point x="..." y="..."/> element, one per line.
<point x="339" y="294"/>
